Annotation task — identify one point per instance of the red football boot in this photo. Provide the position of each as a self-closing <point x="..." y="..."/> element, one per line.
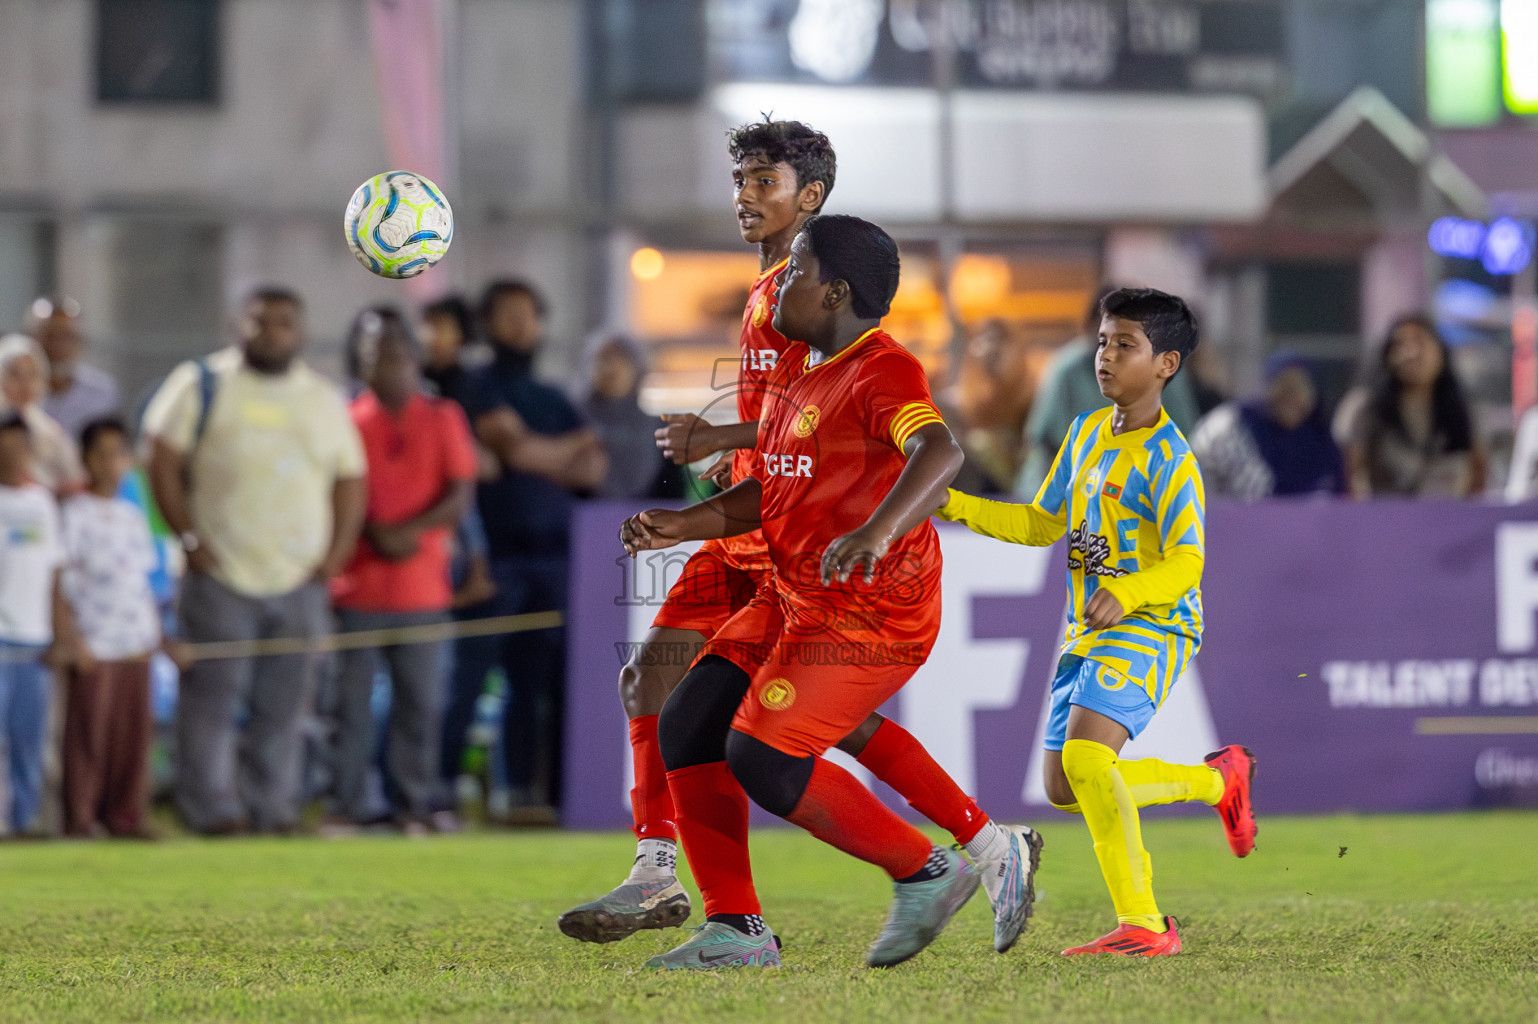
<point x="1238" y="767"/>
<point x="1131" y="940"/>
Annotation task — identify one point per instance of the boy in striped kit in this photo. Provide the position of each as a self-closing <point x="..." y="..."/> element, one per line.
<point x="1127" y="492"/>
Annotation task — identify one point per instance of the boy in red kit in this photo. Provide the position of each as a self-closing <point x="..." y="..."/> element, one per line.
<point x="782" y="174"/>
<point x="850" y="461"/>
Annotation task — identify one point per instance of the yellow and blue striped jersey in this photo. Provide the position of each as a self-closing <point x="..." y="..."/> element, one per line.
<point x="1134" y="510"/>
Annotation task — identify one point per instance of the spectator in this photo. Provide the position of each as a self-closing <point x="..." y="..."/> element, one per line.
<point x="421" y="478"/>
<point x="546" y="456"/>
<point x="1280" y="445"/>
<point x="637" y="468"/>
<point x="451" y="354"/>
<point x="77" y="392"/>
<point x="23" y="375"/>
<point x="108" y="557"/>
<point x="258" y="469"/>
<point x="1414" y="434"/>
<point x="34" y="623"/>
<point x="1068" y="388"/>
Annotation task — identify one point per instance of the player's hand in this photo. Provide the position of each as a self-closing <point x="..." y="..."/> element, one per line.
<point x="686" y="438"/>
<point x="862" y="547"/>
<point x="1102" y="610"/>
<point x="720" y="471"/>
<point x="651" y="530"/>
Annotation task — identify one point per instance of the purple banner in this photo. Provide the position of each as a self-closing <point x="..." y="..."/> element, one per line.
<point x="1376" y="657"/>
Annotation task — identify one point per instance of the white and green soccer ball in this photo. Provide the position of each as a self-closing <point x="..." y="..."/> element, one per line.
<point x="398" y="224"/>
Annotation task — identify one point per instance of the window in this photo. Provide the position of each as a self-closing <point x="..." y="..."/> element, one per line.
<point x="157" y="51"/>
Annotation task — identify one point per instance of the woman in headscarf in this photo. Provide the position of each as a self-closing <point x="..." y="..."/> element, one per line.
<point x="23" y="383"/>
<point x="1277" y="445"/>
<point x="612" y="408"/>
<point x="1415" y="435"/>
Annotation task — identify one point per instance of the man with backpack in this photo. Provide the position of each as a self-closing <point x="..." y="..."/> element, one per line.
<point x="258" y="469"/>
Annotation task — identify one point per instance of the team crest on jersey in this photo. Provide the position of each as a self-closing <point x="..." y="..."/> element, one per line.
<point x="761" y="311"/>
<point x="806" y="423"/>
<point x="777" y="694"/>
<point x="1091" y="483"/>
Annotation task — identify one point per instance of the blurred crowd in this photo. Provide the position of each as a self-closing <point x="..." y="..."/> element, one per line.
<point x="193" y="548"/>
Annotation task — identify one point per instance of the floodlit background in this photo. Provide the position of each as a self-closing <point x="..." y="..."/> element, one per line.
<point x="1282" y="164"/>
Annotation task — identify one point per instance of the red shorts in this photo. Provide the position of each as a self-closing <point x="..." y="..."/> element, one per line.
<point x="817" y="677"/>
<point x="716" y="584"/>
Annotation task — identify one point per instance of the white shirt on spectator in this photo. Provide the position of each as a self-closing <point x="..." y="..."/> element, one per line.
<point x="108" y="556"/>
<point x="29" y="555"/>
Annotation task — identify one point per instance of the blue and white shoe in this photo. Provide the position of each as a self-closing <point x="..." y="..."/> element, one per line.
<point x="1011" y="885"/>
<point x="716" y="944"/>
<point x="921" y="910"/>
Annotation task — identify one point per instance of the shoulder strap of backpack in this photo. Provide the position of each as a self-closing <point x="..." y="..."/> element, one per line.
<point x="208" y="384"/>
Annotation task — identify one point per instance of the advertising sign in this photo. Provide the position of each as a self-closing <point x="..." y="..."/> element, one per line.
<point x="1375" y="657"/>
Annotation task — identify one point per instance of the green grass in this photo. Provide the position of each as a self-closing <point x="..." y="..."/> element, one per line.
<point x="1423" y="919"/>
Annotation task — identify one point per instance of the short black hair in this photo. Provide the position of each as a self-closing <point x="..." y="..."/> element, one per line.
<point x="13" y="421"/>
<point x="383" y="319"/>
<point x="861" y="255"/>
<point x="510" y="286"/>
<point x="1165" y="318"/>
<point x="274" y="293"/>
<point x="455" y="308"/>
<point x="804" y="148"/>
<point x="92" y="431"/>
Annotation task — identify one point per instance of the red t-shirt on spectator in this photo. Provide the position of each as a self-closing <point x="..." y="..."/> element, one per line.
<point x="412" y="458"/>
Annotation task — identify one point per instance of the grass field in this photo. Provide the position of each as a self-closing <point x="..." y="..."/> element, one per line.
<point x="1422" y="919"/>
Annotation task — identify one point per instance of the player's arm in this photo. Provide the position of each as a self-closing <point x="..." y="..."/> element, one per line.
<point x="1038" y="524"/>
<point x="689" y="438"/>
<point x="934" y="459"/>
<point x="735" y="510"/>
<point x="1181" y="506"/>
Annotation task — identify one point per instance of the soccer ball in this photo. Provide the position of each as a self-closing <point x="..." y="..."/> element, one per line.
<point x="398" y="224"/>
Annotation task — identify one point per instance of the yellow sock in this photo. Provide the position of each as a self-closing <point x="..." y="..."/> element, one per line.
<point x="1151" y="782"/>
<point x="1111" y="814"/>
<point x="1068" y="808"/>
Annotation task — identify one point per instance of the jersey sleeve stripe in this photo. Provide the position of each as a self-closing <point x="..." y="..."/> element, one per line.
<point x="910" y="418"/>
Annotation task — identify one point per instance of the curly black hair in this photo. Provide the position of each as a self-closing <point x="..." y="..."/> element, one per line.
<point x="804" y="148"/>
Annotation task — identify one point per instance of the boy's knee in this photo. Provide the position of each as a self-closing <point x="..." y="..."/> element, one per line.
<point x="643" y="689"/>
<point x="774" y="779"/>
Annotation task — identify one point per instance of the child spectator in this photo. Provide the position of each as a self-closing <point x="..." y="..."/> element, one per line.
<point x="108" y="556"/>
<point x="35" y="624"/>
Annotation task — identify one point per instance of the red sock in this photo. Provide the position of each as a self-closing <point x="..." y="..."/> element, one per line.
<point x="842" y="813"/>
<point x="650" y="802"/>
<point x="899" y="760"/>
<point x="712" y="815"/>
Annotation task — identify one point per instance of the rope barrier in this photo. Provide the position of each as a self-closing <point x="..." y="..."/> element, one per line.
<point x="424" y="634"/>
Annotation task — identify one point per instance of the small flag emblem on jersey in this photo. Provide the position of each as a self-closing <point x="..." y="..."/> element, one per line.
<point x="1111" y="490"/>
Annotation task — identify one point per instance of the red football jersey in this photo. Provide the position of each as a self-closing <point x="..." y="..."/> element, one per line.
<point x="762" y="347"/>
<point x="829" y="450"/>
